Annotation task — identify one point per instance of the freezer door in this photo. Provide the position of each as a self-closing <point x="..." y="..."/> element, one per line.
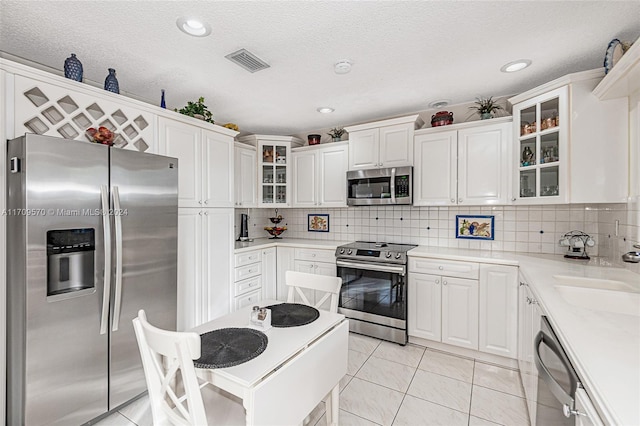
<point x="144" y="193"/>
<point x="57" y="358"/>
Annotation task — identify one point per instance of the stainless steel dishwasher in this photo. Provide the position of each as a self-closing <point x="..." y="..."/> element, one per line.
<point x="557" y="380"/>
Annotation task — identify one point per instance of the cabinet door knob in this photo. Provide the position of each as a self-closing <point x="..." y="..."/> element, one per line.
<point x="453" y="200"/>
<point x="313" y="255"/>
<point x="206" y="201"/>
<point x="206" y="213"/>
<point x="459" y="200"/>
<point x="437" y="281"/>
<point x="513" y="199"/>
<point x="199" y="201"/>
<point x="441" y="267"/>
<point x="200" y="213"/>
<point x="444" y="282"/>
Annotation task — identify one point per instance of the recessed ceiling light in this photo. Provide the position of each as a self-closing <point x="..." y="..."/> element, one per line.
<point x="193" y="27"/>
<point x="342" y="67"/>
<point x="325" y="110"/>
<point x="514" y="66"/>
<point x="439" y="104"/>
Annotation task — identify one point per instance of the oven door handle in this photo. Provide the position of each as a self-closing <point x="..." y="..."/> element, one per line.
<point x="397" y="269"/>
<point x="558" y="392"/>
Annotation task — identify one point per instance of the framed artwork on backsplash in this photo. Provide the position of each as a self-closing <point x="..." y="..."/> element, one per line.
<point x="474" y="227"/>
<point x="318" y="223"/>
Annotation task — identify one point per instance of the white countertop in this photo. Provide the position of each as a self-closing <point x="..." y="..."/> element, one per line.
<point x="260" y="243"/>
<point x="603" y="347"/>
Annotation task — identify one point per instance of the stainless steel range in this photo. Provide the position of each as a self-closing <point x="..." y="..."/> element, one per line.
<point x="374" y="288"/>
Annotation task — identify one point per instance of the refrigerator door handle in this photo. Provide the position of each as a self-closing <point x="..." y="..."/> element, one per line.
<point x="118" y="230"/>
<point x="106" y="224"/>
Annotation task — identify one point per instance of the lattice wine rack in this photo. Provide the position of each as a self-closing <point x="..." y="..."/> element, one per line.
<point x="46" y="109"/>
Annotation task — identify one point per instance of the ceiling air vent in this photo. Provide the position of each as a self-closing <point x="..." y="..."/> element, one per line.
<point x="247" y="60"/>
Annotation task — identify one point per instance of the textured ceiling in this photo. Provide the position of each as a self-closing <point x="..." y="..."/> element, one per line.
<point x="404" y="54"/>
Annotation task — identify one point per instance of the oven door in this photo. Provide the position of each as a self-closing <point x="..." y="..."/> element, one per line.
<point x="373" y="293"/>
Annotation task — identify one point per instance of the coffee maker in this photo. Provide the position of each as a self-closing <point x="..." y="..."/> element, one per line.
<point x="244" y="227"/>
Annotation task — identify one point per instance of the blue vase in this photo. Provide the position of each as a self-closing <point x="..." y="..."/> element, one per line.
<point x="73" y="68"/>
<point x="162" y="102"/>
<point x="111" y="82"/>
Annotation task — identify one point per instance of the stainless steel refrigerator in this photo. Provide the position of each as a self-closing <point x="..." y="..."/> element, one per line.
<point x="91" y="239"/>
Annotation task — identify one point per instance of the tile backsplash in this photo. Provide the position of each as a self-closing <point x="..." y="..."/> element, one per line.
<point x="528" y="229"/>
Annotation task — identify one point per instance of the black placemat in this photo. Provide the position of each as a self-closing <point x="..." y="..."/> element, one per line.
<point x="292" y="314"/>
<point x="227" y="347"/>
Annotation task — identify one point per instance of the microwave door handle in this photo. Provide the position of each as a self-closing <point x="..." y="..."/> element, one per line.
<point x="392" y="187"/>
<point x="118" y="231"/>
<point x="106" y="225"/>
<point x="564" y="398"/>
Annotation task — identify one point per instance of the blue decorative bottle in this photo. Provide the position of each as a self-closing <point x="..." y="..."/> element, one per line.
<point x="73" y="68"/>
<point x="163" y="104"/>
<point x="111" y="82"/>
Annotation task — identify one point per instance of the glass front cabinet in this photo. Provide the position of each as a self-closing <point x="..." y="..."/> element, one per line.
<point x="540" y="150"/>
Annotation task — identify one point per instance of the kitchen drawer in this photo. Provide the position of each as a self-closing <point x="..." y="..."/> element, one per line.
<point x="244" y="286"/>
<point x="248" y="271"/>
<point x="251" y="298"/>
<point x="449" y="268"/>
<point x="248" y="258"/>
<point x="315" y="255"/>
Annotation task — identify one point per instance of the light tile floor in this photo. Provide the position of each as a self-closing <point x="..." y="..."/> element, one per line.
<point x="388" y="384"/>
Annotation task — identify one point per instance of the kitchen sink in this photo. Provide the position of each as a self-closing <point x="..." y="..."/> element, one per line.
<point x="598" y="299"/>
<point x="595" y="283"/>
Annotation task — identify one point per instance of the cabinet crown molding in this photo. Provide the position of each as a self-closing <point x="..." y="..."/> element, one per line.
<point x="465" y="125"/>
<point x="623" y="79"/>
<point x="558" y="82"/>
<point x="253" y="139"/>
<point x="415" y="118"/>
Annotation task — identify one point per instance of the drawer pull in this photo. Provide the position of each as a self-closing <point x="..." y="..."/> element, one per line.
<point x="441" y="267"/>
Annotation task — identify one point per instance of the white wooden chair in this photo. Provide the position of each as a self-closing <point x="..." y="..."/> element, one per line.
<point x="296" y="281"/>
<point x="175" y="394"/>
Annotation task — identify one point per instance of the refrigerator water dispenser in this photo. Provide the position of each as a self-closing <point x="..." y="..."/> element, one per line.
<point x="70" y="260"/>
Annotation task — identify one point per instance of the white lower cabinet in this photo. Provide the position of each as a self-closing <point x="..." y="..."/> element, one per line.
<point x="498" y="310"/>
<point x="460" y="312"/>
<point x="529" y="315"/>
<point x="318" y="262"/>
<point x="464" y="304"/>
<point x="269" y="273"/>
<point x="247" y="285"/>
<point x="285" y="258"/>
<point x="204" y="265"/>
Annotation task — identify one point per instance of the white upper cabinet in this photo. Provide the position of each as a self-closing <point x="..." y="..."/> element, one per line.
<point x="274" y="168"/>
<point x="569" y="146"/>
<point x="463" y="164"/>
<point x="205" y="177"/>
<point x="245" y="176"/>
<point x="387" y="143"/>
<point x="319" y="175"/>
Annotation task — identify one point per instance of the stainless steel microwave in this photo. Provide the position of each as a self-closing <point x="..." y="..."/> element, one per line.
<point x="393" y="185"/>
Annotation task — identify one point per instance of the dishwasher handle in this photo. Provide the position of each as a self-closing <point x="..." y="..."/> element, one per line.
<point x="567" y="401"/>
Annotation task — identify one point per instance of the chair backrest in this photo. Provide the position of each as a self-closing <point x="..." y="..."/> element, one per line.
<point x="330" y="286"/>
<point x="167" y="359"/>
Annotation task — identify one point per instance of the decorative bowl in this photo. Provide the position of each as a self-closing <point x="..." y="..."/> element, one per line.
<point x="276" y="220"/>
<point x="275" y="231"/>
<point x="103" y="136"/>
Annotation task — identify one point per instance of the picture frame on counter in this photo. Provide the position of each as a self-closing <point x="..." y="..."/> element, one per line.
<point x="318" y="223"/>
<point x="475" y="227"/>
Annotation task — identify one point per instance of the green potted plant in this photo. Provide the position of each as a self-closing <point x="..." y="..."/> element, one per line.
<point x="336" y="133"/>
<point x="197" y="110"/>
<point x="485" y="107"/>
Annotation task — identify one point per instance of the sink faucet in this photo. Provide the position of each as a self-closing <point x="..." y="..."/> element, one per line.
<point x="632" y="256"/>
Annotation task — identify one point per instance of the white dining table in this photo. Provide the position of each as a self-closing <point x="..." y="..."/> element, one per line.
<point x="300" y="366"/>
